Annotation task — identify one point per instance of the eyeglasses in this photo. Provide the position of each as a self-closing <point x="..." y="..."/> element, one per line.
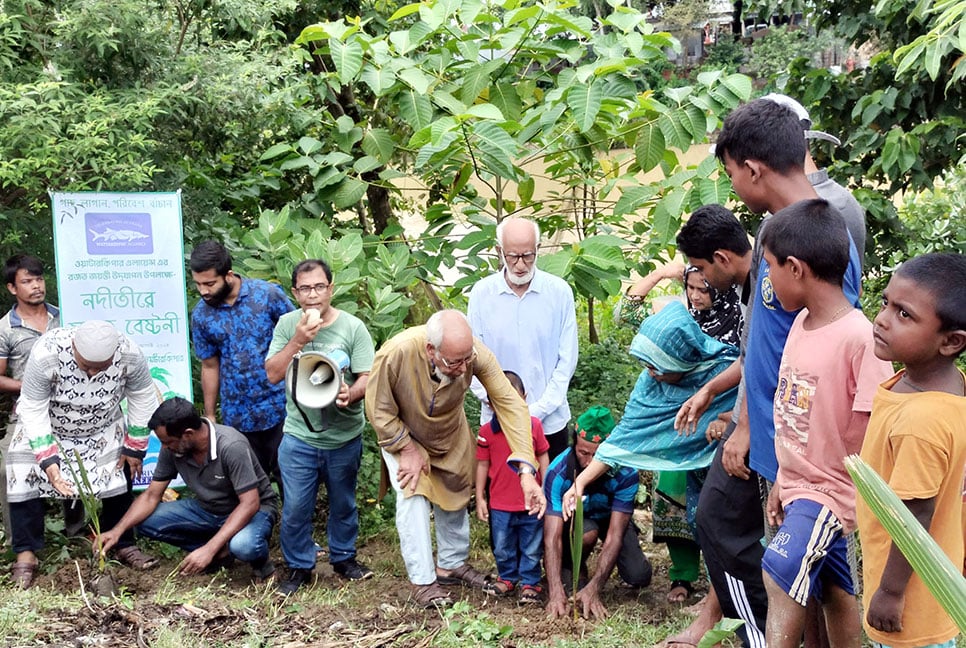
<point x="452" y="364"/>
<point x="527" y="258"/>
<point x="305" y="291"/>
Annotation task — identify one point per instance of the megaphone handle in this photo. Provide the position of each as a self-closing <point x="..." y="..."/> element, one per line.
<point x="305" y="417"/>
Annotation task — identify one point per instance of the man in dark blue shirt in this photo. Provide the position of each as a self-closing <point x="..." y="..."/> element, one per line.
<point x="231" y="329"/>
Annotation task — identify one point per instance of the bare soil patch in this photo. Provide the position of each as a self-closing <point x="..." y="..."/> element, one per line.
<point x="159" y="608"/>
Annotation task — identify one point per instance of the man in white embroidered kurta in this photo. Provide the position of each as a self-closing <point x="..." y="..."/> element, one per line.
<point x="70" y="410"/>
<point x="528" y="319"/>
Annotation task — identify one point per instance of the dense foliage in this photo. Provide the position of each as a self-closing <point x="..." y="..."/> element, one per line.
<point x="901" y="123"/>
<point x="391" y="138"/>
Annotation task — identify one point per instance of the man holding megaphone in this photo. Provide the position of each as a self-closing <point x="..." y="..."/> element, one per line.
<point x="324" y="354"/>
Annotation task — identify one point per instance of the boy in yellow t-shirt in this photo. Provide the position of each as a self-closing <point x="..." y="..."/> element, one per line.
<point x="916" y="440"/>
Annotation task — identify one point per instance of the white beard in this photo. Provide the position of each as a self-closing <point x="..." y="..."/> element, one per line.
<point x="517" y="280"/>
<point x="443" y="378"/>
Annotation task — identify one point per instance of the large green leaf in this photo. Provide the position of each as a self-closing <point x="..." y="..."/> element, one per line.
<point x="282" y="148"/>
<point x="740" y="84"/>
<point x="485" y="111"/>
<point x="347" y="58"/>
<point x="406" y="10"/>
<point x="476" y="78"/>
<point x="416" y="79"/>
<point x="504" y="96"/>
<point x="667" y="215"/>
<point x="723" y="629"/>
<point x="348" y="192"/>
<point x="649" y="147"/>
<point x="379" y="79"/>
<point x="379" y="144"/>
<point x="309" y="145"/>
<point x="448" y="102"/>
<point x="558" y="263"/>
<point x="942" y="578"/>
<point x="584" y="101"/>
<point x="495" y="137"/>
<point x="694" y="122"/>
<point x="633" y="198"/>
<point x="713" y="190"/>
<point x="602" y="252"/>
<point x="675" y="133"/>
<point x="365" y="163"/>
<point x="624" y="20"/>
<point x="415" y="109"/>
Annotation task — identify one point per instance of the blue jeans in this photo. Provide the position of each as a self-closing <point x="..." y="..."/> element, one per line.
<point x="303" y="467"/>
<point x="185" y="524"/>
<point x="517" y="545"/>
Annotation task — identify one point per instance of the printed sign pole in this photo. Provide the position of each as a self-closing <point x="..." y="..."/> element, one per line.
<point x="120" y="258"/>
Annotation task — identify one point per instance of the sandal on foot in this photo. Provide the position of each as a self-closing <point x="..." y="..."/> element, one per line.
<point x="680" y="585"/>
<point x="531" y="594"/>
<point x="498" y="587"/>
<point x="22" y="574"/>
<point x="431" y="596"/>
<point x="135" y="558"/>
<point x="463" y="574"/>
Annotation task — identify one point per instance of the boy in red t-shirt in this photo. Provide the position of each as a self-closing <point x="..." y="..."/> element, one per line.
<point x="517" y="536"/>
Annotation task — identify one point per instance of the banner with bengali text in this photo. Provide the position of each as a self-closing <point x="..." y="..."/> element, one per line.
<point x="120" y="258"/>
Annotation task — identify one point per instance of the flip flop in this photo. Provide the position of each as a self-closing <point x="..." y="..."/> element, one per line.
<point x="677" y="640"/>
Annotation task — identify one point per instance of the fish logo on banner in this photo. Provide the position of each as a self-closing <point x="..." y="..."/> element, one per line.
<point x="119" y="233"/>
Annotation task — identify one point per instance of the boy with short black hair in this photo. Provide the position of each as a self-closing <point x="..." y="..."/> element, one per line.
<point x="917" y="442"/>
<point x="517" y="536"/>
<point x="763" y="148"/>
<point x="826" y="380"/>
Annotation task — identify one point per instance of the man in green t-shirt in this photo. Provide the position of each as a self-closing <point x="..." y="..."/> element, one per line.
<point x="320" y="444"/>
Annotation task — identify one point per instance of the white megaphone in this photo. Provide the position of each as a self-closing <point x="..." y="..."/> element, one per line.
<point x="313" y="381"/>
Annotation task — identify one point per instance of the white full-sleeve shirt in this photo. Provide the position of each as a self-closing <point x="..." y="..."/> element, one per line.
<point x="534" y="335"/>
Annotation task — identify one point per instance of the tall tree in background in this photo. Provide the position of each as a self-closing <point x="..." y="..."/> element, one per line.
<point x="901" y="124"/>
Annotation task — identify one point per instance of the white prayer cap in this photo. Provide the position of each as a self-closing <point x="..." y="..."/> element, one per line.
<point x="803" y="117"/>
<point x="96" y="341"/>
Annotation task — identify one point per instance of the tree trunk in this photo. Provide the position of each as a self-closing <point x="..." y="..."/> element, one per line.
<point x="380" y="211"/>
<point x="591" y="326"/>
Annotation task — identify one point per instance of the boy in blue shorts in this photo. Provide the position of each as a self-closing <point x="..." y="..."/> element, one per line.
<point x="517" y="536"/>
<point x="826" y="380"/>
<point x="917" y="442"/>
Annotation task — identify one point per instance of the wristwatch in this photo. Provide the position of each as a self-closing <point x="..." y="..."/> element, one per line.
<point x="525" y="469"/>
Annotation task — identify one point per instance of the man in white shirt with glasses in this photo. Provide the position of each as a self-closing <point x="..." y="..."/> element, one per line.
<point x="527" y="318"/>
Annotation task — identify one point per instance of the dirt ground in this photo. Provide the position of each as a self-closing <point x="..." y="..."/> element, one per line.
<point x="226" y="609"/>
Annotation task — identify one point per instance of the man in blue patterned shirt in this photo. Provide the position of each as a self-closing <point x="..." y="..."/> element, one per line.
<point x="608" y="507"/>
<point x="231" y="328"/>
